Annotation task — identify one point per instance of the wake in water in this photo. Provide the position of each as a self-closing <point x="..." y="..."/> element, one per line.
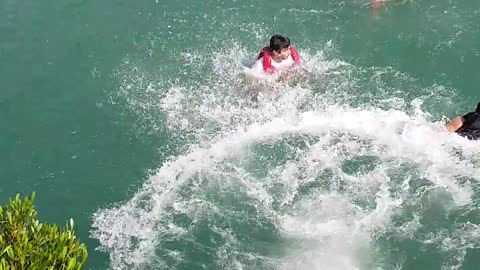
<point x="341" y="170"/>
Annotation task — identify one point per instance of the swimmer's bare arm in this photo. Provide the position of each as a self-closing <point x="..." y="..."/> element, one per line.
<point x="455" y="124"/>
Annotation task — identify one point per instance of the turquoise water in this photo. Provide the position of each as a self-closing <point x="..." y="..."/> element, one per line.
<point x="132" y="118"/>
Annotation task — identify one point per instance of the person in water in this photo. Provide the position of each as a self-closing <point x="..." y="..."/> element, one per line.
<point x="377" y="3"/>
<point x="279" y="58"/>
<point x="279" y="55"/>
<point x="467" y="126"/>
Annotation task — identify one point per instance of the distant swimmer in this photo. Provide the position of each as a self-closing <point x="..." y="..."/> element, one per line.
<point x="376" y="3"/>
<point x="467" y="126"/>
<point x="278" y="56"/>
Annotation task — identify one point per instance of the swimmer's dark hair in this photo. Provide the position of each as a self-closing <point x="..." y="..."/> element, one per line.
<point x="478" y="108"/>
<point x="279" y="42"/>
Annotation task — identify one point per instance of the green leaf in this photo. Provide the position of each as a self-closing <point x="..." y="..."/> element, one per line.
<point x="71" y="264"/>
<point x="25" y="240"/>
<point x="5" y="250"/>
<point x="9" y="217"/>
<point x="64" y="253"/>
<point x="10" y="252"/>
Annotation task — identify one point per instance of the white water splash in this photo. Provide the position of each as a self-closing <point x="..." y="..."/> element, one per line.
<point x="327" y="216"/>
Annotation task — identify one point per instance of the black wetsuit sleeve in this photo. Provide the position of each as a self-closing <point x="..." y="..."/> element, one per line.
<point x="471" y="126"/>
<point x="468" y="119"/>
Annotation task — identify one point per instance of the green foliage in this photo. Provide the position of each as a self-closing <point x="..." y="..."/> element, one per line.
<point x="25" y="243"/>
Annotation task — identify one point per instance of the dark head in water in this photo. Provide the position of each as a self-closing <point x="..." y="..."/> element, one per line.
<point x="279" y="43"/>
<point x="279" y="47"/>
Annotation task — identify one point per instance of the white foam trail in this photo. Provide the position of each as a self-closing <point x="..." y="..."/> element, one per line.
<point x="130" y="232"/>
<point x="334" y="223"/>
<point x="327" y="223"/>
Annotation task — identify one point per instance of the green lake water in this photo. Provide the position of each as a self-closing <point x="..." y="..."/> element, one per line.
<point x="132" y="118"/>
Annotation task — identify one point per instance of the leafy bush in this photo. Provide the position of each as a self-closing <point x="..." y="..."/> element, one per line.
<point x="25" y="243"/>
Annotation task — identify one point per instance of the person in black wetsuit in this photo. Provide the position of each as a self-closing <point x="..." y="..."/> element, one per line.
<point x="467" y="126"/>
